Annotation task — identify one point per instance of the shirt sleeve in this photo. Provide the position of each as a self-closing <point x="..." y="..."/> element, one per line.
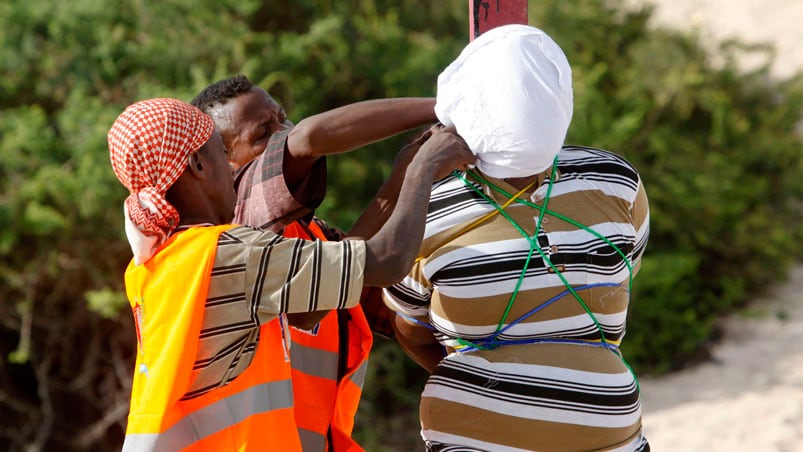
<point x="412" y="295"/>
<point x="263" y="198"/>
<point x="260" y="275"/>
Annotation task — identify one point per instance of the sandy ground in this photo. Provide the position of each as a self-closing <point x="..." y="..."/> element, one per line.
<point x="750" y="396"/>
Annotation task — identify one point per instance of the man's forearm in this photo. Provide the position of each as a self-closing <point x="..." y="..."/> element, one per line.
<point x="382" y="205"/>
<point x="391" y="251"/>
<point x="355" y="125"/>
<point x="389" y="254"/>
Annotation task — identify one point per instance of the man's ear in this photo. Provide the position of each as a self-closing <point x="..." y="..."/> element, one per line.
<point x="196" y="166"/>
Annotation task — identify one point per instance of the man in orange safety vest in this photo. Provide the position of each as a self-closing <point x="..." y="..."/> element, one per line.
<point x="212" y="369"/>
<point x="280" y="179"/>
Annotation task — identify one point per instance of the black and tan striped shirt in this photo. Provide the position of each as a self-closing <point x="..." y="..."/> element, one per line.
<point x="544" y="382"/>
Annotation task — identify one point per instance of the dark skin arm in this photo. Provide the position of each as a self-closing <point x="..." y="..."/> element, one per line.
<point x="418" y="342"/>
<point x="380" y="208"/>
<point x="390" y="252"/>
<point x="372" y="219"/>
<point x="349" y="127"/>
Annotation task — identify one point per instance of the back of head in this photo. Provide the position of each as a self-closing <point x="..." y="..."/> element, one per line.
<point x="221" y="91"/>
<point x="509" y="95"/>
<point x="149" y="147"/>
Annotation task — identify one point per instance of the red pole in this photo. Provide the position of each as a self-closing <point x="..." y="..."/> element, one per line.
<point x="486" y="14"/>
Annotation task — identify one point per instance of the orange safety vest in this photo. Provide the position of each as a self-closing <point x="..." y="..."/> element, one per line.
<point x="253" y="412"/>
<point x="325" y="406"/>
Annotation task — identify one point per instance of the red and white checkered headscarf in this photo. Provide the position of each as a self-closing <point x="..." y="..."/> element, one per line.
<point x="149" y="145"/>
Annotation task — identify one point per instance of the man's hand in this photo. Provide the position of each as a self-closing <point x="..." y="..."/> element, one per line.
<point x="445" y="151"/>
<point x="418" y="342"/>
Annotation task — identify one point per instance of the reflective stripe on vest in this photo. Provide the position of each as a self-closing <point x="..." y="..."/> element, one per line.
<point x="325" y="408"/>
<point x="321" y="363"/>
<point x="212" y="419"/>
<point x="313" y="361"/>
<point x="358" y="376"/>
<point x="254" y="411"/>
<point x="312" y="441"/>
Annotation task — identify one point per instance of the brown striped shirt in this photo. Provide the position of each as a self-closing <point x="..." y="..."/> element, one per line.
<point x="539" y="377"/>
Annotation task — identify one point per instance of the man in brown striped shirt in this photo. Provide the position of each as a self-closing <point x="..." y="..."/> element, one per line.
<point x="258" y="275"/>
<point x="519" y="299"/>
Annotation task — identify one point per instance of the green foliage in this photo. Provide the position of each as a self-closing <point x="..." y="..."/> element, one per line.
<point x="106" y="302"/>
<point x="717" y="148"/>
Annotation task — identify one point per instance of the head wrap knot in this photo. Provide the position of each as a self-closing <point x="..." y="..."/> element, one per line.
<point x="509" y="95"/>
<point x="149" y="146"/>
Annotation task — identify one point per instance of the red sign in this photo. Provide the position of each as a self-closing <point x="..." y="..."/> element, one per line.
<point x="486" y="14"/>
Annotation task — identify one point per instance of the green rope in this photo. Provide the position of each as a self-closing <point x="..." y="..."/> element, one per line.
<point x="564" y="218"/>
<point x="540" y="251"/>
<point x="533" y="241"/>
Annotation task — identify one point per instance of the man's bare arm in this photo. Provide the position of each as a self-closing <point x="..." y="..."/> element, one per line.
<point x="382" y="205"/>
<point x="350" y="127"/>
<point x="391" y="251"/>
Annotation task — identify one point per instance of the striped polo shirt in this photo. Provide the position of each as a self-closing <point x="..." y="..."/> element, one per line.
<point x="258" y="275"/>
<point x="529" y="308"/>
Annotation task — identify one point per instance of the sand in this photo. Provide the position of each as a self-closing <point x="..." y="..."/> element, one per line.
<point x="750" y="397"/>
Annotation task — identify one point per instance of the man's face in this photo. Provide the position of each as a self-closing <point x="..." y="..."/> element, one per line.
<point x="219" y="181"/>
<point x="246" y="122"/>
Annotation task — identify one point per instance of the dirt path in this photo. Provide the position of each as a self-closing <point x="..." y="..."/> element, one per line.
<point x="750" y="397"/>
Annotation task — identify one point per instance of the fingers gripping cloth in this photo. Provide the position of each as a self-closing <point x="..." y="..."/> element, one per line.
<point x="149" y="147"/>
<point x="509" y="95"/>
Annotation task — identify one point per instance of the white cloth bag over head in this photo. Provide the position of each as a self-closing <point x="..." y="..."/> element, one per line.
<point x="509" y="95"/>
